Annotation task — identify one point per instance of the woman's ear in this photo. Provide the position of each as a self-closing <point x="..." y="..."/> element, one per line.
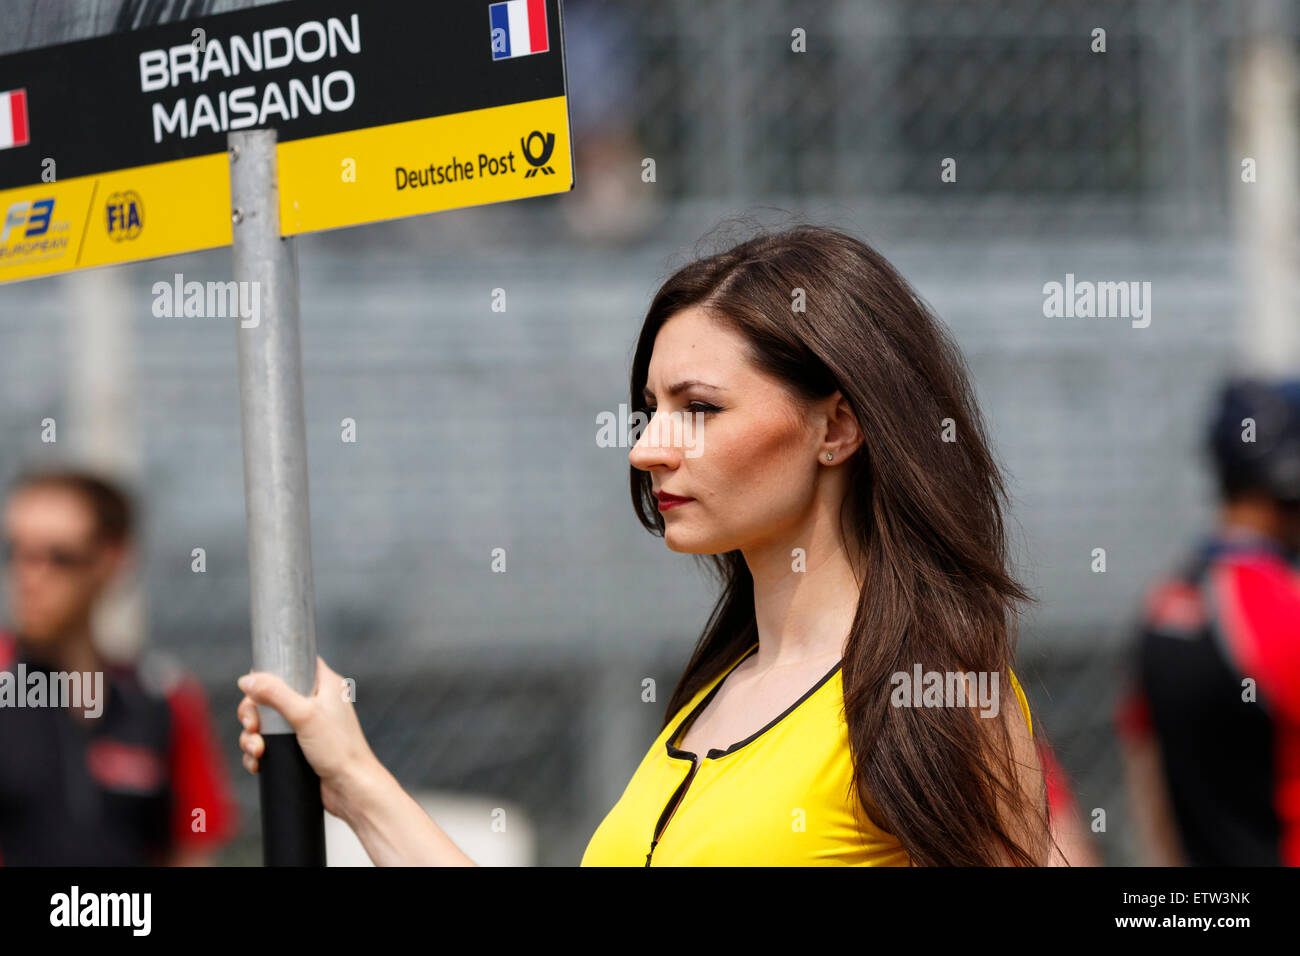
<point x="842" y="435"/>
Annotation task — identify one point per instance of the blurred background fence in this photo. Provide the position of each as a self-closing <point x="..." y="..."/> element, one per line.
<point x="476" y="429"/>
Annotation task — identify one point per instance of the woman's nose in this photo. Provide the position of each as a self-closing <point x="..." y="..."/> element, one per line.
<point x="655" y="445"/>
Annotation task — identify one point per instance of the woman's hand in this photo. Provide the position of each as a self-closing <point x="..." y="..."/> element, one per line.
<point x="326" y="725"/>
<point x="355" y="786"/>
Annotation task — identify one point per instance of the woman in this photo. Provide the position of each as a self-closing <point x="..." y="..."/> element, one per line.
<point x="812" y="430"/>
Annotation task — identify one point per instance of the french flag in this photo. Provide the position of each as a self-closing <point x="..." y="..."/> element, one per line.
<point x="13" y="118"/>
<point x="518" y="28"/>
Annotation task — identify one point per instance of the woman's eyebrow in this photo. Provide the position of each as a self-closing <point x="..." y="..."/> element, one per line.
<point x="683" y="386"/>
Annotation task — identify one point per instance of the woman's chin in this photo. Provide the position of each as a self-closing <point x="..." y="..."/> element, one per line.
<point x="683" y="543"/>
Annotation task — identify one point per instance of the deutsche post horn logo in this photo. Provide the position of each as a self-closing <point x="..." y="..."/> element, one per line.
<point x="540" y="164"/>
<point x="124" y="215"/>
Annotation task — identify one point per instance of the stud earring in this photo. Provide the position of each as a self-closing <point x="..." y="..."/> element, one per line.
<point x="829" y="456"/>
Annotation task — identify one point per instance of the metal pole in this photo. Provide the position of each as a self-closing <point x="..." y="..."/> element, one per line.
<point x="275" y="493"/>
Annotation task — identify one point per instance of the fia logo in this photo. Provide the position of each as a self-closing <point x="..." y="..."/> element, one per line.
<point x="540" y="163"/>
<point x="124" y="215"/>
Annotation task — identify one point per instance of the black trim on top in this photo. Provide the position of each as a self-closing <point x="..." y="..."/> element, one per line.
<point x="669" y="809"/>
<point x="714" y="752"/>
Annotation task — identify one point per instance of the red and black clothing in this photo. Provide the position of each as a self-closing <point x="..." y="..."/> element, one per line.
<point x="120" y="789"/>
<point x="1231" y="765"/>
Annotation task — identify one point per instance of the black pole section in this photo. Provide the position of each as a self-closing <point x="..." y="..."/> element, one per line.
<point x="293" y="820"/>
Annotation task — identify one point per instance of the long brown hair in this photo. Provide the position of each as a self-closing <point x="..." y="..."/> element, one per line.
<point x="925" y="512"/>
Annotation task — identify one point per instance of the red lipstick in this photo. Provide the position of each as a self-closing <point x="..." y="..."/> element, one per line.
<point x="667" y="501"/>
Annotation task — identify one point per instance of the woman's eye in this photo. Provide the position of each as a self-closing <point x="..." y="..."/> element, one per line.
<point x="703" y="407"/>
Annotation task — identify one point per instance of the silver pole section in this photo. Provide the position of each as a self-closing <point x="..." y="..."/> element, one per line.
<point x="275" y="490"/>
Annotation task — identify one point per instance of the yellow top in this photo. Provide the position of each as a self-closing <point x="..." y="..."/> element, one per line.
<point x="783" y="796"/>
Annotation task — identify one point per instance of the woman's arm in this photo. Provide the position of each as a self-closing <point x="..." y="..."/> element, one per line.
<point x="392" y="827"/>
<point x="355" y="786"/>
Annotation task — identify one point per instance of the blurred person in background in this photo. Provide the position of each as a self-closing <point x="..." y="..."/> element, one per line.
<point x="137" y="778"/>
<point x="1210" y="722"/>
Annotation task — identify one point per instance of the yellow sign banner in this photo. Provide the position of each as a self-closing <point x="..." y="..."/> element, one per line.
<point x="444" y="162"/>
<point x="326" y="182"/>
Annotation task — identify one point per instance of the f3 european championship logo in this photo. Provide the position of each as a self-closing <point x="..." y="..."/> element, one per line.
<point x="35" y="215"/>
<point x="30" y="234"/>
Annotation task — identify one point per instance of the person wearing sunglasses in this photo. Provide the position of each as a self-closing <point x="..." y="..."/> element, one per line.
<point x="133" y="777"/>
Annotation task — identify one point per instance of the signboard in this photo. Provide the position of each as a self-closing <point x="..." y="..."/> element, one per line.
<point x="113" y="149"/>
